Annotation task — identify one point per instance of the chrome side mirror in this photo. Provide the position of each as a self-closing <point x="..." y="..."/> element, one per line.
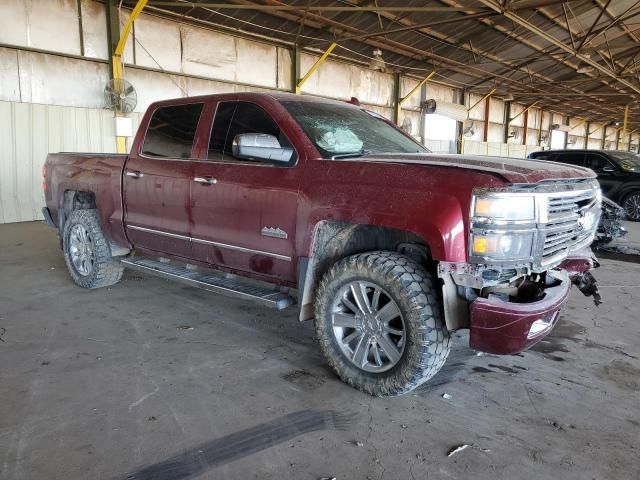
<point x="260" y="146"/>
<point x="608" y="169"/>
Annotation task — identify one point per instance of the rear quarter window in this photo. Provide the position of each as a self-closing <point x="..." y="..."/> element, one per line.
<point x="172" y="130"/>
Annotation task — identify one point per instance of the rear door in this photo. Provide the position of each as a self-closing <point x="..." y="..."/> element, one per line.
<point x="157" y="181"/>
<point x="244" y="212"/>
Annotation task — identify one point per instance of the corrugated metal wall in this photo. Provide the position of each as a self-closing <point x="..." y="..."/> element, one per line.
<point x="27" y="133"/>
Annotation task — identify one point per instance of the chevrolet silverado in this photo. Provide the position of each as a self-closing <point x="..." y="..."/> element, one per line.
<point x="286" y="199"/>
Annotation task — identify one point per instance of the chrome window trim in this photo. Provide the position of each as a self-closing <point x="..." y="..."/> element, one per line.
<point x="209" y="242"/>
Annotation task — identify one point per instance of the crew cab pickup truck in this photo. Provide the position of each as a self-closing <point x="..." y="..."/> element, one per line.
<point x="287" y="199"/>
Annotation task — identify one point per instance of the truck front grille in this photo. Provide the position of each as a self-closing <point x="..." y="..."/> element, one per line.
<point x="571" y="217"/>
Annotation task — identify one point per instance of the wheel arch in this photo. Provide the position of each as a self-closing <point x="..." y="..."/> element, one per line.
<point x="73" y="200"/>
<point x="334" y="240"/>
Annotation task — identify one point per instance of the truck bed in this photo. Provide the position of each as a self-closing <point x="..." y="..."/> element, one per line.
<point x="98" y="173"/>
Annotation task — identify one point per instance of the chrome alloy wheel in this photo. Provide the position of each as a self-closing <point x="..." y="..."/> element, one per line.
<point x="632" y="206"/>
<point x="81" y="250"/>
<point x="368" y="326"/>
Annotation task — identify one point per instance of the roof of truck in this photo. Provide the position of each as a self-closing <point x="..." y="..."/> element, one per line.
<point x="276" y="95"/>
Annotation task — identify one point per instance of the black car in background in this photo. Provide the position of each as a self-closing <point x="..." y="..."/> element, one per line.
<point x="618" y="173"/>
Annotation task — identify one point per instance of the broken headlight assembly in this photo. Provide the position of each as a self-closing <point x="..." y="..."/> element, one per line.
<point x="503" y="227"/>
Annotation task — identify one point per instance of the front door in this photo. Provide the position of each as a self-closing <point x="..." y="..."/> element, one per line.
<point x="244" y="212"/>
<point x="157" y="182"/>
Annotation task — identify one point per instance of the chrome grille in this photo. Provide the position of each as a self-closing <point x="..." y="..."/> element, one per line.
<point x="564" y="230"/>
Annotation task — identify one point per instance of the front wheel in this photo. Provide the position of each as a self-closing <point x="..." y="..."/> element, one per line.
<point x="87" y="252"/>
<point x="631" y="205"/>
<point x="379" y="321"/>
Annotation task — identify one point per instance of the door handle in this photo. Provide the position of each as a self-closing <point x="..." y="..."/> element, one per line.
<point x="205" y="180"/>
<point x="134" y="174"/>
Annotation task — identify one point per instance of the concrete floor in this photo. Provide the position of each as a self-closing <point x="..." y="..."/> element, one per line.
<point x="150" y="379"/>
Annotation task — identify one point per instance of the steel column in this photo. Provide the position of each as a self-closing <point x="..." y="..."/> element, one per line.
<point x="487" y="107"/>
<point x="397" y="79"/>
<point x="507" y="120"/>
<point x="624" y="123"/>
<point x="587" y="126"/>
<point x="540" y="127"/>
<point x="295" y="68"/>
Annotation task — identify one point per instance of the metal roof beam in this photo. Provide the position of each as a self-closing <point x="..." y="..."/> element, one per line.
<point x="551" y="39"/>
<point x="310" y="8"/>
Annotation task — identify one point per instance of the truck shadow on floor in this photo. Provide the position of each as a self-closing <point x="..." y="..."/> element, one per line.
<point x="194" y="461"/>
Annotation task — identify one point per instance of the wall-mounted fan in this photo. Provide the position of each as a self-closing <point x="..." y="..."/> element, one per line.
<point x="468" y="128"/>
<point x="120" y="96"/>
<point x="407" y="126"/>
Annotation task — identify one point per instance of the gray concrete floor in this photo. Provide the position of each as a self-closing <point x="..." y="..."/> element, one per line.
<point x="149" y="379"/>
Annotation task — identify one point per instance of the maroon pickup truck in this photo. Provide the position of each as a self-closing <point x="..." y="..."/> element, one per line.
<point x="286" y="199"/>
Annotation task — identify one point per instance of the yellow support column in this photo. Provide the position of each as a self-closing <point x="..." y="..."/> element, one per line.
<point x="118" y="72"/>
<point x="314" y="67"/>
<point x="415" y="89"/>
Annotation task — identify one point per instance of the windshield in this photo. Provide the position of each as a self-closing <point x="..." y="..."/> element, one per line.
<point x="626" y="160"/>
<point x="346" y="130"/>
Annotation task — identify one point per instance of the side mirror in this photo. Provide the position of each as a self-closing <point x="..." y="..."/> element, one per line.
<point x="260" y="146"/>
<point x="608" y="169"/>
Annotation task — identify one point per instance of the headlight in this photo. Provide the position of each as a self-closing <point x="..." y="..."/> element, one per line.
<point x="508" y="208"/>
<point x="503" y="246"/>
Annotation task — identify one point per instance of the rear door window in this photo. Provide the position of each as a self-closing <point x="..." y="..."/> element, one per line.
<point x="172" y="130"/>
<point x="576" y="159"/>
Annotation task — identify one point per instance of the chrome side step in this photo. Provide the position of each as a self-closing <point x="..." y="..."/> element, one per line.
<point x="212" y="281"/>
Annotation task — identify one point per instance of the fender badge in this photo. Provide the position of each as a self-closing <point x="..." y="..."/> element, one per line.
<point x="274" y="232"/>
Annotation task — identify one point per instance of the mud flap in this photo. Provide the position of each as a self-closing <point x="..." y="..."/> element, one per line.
<point x="586" y="283"/>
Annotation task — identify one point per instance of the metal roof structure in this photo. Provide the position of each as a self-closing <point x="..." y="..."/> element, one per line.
<point x="580" y="58"/>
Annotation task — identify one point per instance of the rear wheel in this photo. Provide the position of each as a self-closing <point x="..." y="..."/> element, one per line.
<point x="631" y="205"/>
<point x="380" y="323"/>
<point x="87" y="252"/>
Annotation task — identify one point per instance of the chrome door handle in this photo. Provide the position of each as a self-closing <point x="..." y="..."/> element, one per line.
<point x="135" y="174"/>
<point x="205" y="180"/>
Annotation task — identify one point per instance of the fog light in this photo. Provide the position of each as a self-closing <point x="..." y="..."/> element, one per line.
<point x="541" y="325"/>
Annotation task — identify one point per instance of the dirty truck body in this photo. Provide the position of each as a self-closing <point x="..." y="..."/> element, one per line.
<point x="286" y="199"/>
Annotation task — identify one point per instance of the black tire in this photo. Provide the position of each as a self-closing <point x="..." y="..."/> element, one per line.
<point x="414" y="290"/>
<point x="631" y="205"/>
<point x="105" y="270"/>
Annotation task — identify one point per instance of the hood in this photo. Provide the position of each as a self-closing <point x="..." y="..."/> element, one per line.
<point x="513" y="170"/>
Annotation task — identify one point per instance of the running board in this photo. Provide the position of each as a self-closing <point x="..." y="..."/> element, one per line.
<point x="212" y="281"/>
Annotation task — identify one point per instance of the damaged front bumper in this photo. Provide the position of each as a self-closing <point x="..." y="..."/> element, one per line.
<point x="503" y="327"/>
<point x="508" y="324"/>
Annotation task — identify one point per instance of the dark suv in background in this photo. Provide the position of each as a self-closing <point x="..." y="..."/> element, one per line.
<point x="618" y="173"/>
